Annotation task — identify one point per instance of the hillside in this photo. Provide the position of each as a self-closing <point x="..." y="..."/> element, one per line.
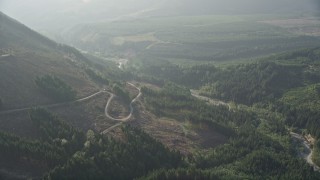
<point x="171" y="98"/>
<point x="56" y="16"/>
<point x="196" y="39"/>
<point x="26" y="55"/>
<point x="189" y="7"/>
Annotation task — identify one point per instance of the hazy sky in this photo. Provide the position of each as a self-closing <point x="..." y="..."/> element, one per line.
<point x="55" y="15"/>
<point x="24" y="9"/>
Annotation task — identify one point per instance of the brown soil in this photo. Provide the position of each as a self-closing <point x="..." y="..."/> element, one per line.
<point x="18" y="72"/>
<point x="85" y="115"/>
<point x="21" y="168"/>
<point x="118" y="109"/>
<point x="303" y="26"/>
<point x="177" y="135"/>
<point x="148" y="85"/>
<point x="133" y="92"/>
<point x="19" y="124"/>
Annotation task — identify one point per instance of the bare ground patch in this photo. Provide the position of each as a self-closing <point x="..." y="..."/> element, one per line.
<point x="176" y="135"/>
<point x="83" y="115"/>
<point x="302" y="26"/>
<point x="133" y="92"/>
<point x="118" y="108"/>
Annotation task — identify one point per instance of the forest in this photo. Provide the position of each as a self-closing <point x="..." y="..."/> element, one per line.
<point x="251" y="153"/>
<point x="267" y="97"/>
<point x="282" y="88"/>
<point x="69" y="153"/>
<point x="247" y="83"/>
<point x="183" y="95"/>
<point x="55" y="88"/>
<point x="97" y="76"/>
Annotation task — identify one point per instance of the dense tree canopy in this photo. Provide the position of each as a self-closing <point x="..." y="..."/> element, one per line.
<point x="55" y="88"/>
<point x="1" y="103"/>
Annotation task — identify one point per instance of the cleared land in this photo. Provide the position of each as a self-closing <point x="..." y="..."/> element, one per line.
<point x="302" y="26"/>
<point x="197" y="39"/>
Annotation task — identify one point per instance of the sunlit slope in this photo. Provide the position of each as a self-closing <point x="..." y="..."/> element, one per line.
<point x="200" y="7"/>
<point x="24" y="55"/>
<point x="211" y="38"/>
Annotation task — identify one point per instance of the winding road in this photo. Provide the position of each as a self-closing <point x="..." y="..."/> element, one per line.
<point x="307" y="151"/>
<point x="122" y="120"/>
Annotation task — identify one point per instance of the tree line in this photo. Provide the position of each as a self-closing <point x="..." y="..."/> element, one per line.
<point x="55" y="88"/>
<point x="71" y="153"/>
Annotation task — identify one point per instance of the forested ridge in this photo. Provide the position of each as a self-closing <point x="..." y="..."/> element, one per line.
<point x="282" y="92"/>
<point x="279" y="92"/>
<point x="55" y="88"/>
<point x="248" y="83"/>
<point x="72" y="154"/>
<point x="254" y="150"/>
<point x="262" y="99"/>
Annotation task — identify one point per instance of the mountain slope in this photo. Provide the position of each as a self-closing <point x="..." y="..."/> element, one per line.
<point x="238" y="7"/>
<point x="26" y="55"/>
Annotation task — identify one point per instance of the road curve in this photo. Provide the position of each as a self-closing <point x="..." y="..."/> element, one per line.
<point x="122" y="120"/>
<point x="307" y="152"/>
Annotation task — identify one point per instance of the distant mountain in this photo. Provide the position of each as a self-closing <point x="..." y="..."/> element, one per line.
<point x="26" y="55"/>
<point x="53" y="16"/>
<point x="191" y="7"/>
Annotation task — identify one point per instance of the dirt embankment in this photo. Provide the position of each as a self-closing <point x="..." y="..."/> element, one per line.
<point x="307" y="151"/>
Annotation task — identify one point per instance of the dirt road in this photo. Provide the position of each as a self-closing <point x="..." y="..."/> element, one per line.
<point x="122" y="120"/>
<point x="307" y="151"/>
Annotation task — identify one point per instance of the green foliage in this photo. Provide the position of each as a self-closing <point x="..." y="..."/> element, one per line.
<point x="318" y="90"/>
<point x="17" y="147"/>
<point x="257" y="156"/>
<point x="304" y="97"/>
<point x="251" y="83"/>
<point x="182" y="174"/>
<point x="55" y="88"/>
<point x="103" y="158"/>
<point x="250" y="155"/>
<point x="247" y="139"/>
<point x="195" y="39"/>
<point x="1" y="103"/>
<point x="121" y="92"/>
<point x="70" y="154"/>
<point x="56" y="131"/>
<point x="98" y="77"/>
<point x="246" y="84"/>
<point x="262" y="81"/>
<point x="259" y="149"/>
<point x="300" y="107"/>
<point x="172" y="99"/>
<point x="316" y="152"/>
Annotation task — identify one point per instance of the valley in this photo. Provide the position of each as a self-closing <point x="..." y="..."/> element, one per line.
<point x="307" y="151"/>
<point x="160" y="90"/>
